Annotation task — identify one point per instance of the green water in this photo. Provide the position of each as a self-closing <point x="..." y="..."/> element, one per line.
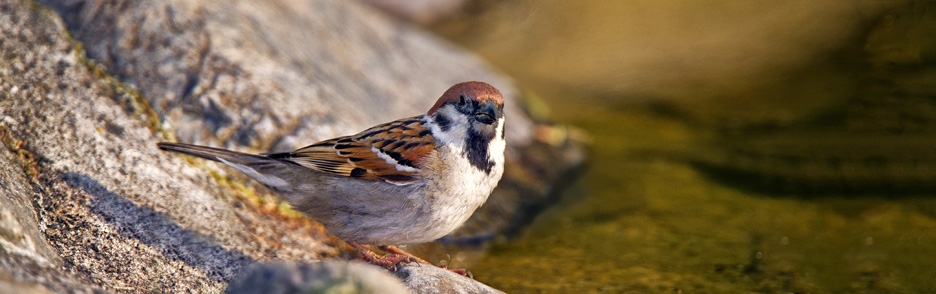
<point x="812" y="173"/>
<point x="652" y="223"/>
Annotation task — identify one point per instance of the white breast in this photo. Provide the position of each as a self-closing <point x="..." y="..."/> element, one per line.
<point x="462" y="187"/>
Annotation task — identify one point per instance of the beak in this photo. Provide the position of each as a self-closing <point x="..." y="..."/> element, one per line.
<point x="486" y="113"/>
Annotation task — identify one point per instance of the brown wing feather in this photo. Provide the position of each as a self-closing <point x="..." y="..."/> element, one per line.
<point x="407" y="142"/>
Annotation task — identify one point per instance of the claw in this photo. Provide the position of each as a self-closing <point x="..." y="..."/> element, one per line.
<point x="388" y="261"/>
<point x="396" y="250"/>
<point x="395" y="256"/>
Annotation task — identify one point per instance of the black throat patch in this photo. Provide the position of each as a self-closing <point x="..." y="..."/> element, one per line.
<point x="477" y="150"/>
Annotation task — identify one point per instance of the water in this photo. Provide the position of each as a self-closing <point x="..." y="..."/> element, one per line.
<point x="804" y="160"/>
<point x="652" y="222"/>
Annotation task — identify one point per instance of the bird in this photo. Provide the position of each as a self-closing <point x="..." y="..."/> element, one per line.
<point x="408" y="181"/>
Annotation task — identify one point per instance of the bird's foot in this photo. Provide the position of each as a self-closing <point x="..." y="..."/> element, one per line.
<point x="388" y="261"/>
<point x="396" y="250"/>
<point x="395" y="256"/>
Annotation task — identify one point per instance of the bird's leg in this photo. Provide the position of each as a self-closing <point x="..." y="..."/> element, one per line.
<point x="388" y="261"/>
<point x="397" y="251"/>
<point x="395" y="256"/>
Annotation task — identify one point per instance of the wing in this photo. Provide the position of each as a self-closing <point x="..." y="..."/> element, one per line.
<point x="391" y="152"/>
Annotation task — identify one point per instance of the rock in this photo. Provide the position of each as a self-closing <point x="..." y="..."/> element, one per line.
<point x="117" y="213"/>
<point x="19" y="235"/>
<point x="275" y="75"/>
<point x="319" y="277"/>
<point x="351" y="277"/>
<point x="421" y="12"/>
<point x="432" y="279"/>
<point x="89" y="203"/>
<point x="17" y="287"/>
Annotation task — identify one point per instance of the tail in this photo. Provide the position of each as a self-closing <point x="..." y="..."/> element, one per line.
<point x="211" y="153"/>
<point x="271" y="172"/>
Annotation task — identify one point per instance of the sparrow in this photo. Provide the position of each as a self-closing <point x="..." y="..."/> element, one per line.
<point x="408" y="181"/>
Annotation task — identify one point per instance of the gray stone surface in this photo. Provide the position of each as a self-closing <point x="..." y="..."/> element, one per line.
<point x="117" y="213"/>
<point x="351" y="277"/>
<point x="423" y="12"/>
<point x="87" y="203"/>
<point x="319" y="277"/>
<point x="432" y="279"/>
<point x="274" y="75"/>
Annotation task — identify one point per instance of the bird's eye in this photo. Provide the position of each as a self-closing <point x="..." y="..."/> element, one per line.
<point x="462" y="100"/>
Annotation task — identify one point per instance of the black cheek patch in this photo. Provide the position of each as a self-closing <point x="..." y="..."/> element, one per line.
<point x="444" y="122"/>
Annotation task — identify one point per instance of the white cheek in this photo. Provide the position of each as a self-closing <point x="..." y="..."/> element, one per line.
<point x="458" y="127"/>
<point x="498" y="144"/>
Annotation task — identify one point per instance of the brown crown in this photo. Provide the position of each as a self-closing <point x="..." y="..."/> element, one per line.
<point x="478" y="91"/>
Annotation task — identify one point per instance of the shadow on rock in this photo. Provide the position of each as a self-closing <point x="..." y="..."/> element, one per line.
<point x="154" y="229"/>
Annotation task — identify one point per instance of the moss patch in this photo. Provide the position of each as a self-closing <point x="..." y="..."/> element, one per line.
<point x="26" y="158"/>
